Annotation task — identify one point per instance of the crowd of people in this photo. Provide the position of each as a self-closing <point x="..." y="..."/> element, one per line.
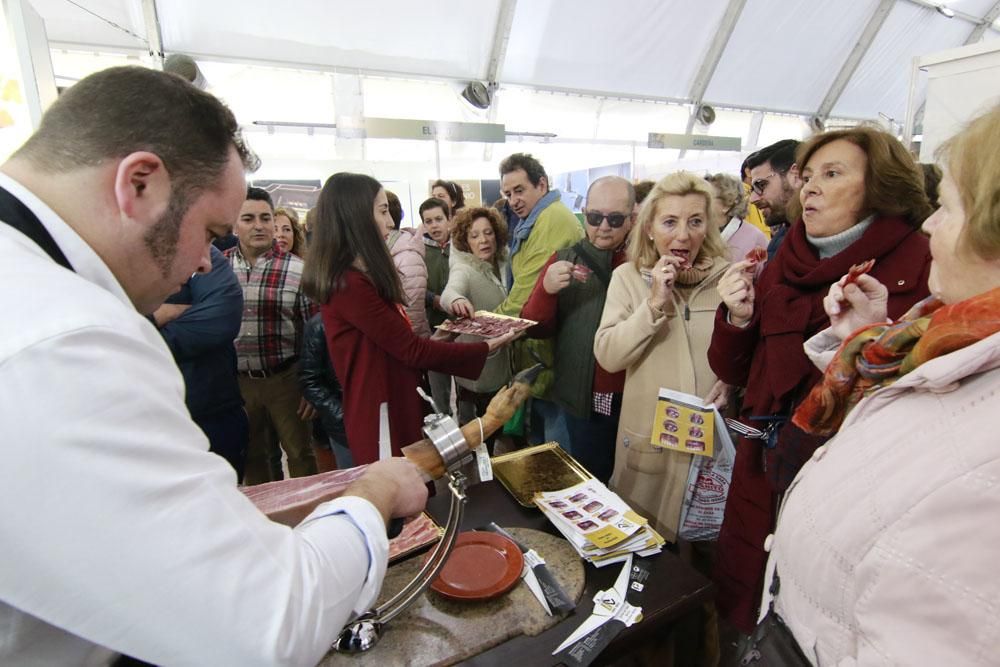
<point x="865" y="476"/>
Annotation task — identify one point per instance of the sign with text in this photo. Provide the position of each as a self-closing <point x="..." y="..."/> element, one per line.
<point x="693" y="142"/>
<point x="402" y="128"/>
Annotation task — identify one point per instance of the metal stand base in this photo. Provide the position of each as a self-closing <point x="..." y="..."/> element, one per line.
<point x="364" y="632"/>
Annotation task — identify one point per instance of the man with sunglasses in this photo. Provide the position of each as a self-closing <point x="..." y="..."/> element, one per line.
<point x="567" y="303"/>
<point x="774" y="184"/>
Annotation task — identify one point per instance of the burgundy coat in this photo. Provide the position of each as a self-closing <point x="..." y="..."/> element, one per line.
<point x="378" y="358"/>
<point x="767" y="358"/>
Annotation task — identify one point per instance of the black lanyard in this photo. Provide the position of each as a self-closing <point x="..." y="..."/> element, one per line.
<point x="17" y="215"/>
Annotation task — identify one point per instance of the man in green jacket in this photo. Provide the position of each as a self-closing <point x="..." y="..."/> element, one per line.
<point x="544" y="226"/>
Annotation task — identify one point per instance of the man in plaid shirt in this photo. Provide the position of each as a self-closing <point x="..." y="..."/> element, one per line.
<point x="274" y="313"/>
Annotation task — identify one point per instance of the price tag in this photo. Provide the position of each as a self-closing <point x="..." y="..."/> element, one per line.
<point x="483" y="463"/>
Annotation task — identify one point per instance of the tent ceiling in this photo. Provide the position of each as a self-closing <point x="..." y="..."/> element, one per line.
<point x="783" y="55"/>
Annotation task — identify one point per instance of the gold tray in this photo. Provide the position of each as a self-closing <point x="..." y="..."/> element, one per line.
<point x="545" y="467"/>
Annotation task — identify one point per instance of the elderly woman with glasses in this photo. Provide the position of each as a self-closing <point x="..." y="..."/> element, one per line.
<point x="656" y="326"/>
<point x="862" y="199"/>
<point x="888" y="542"/>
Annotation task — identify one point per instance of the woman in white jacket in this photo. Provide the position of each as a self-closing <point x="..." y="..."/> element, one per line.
<point x="479" y="247"/>
<point x="887" y="546"/>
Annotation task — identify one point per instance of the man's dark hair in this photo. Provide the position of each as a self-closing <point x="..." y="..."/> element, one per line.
<point x="434" y="202"/>
<point x="780" y="154"/>
<point x="642" y="190"/>
<point x="260" y="194"/>
<point x="532" y="167"/>
<point x="395" y="208"/>
<point x="122" y="110"/>
<point x="346" y="231"/>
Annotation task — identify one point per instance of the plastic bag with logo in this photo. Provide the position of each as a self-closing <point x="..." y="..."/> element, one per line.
<point x="707" y="487"/>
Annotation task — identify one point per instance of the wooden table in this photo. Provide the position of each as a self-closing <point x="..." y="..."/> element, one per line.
<point x="673" y="596"/>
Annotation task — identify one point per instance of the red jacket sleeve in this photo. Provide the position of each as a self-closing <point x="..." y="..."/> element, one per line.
<point x="731" y="350"/>
<point x="542" y="307"/>
<point x="382" y="323"/>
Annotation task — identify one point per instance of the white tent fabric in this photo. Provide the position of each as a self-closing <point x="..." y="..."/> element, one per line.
<point x="783" y="55"/>
<point x="578" y="82"/>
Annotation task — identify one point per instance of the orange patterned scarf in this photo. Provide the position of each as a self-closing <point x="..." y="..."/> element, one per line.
<point x="879" y="355"/>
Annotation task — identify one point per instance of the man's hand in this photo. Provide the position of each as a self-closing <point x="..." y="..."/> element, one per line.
<point x="856" y="305"/>
<point x="394" y="486"/>
<point x="306" y="411"/>
<point x="557" y="276"/>
<point x="169" y="312"/>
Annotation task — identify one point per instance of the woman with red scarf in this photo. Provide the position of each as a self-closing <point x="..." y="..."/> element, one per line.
<point x="862" y="198"/>
<point x="888" y="541"/>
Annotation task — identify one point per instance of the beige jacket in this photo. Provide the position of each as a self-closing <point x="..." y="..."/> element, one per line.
<point x="471" y="278"/>
<point x="888" y="545"/>
<point x="670" y="351"/>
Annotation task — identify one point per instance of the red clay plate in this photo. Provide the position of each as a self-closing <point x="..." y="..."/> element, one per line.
<point x="481" y="566"/>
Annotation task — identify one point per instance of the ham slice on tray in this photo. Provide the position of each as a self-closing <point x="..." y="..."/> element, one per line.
<point x="289" y="501"/>
<point x="486" y="325"/>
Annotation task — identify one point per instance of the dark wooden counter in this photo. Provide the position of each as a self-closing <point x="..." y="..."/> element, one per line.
<point x="673" y="596"/>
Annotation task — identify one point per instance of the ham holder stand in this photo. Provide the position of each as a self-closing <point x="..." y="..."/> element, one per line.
<point x="447" y="451"/>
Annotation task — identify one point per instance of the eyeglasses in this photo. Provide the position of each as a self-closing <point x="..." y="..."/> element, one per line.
<point x="760" y="184"/>
<point x="615" y="220"/>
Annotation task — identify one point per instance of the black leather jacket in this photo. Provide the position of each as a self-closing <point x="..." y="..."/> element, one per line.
<point x="318" y="382"/>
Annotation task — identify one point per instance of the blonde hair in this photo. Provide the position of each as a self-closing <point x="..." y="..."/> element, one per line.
<point x="298" y="235"/>
<point x="734" y="198"/>
<point x="972" y="159"/>
<point x="641" y="250"/>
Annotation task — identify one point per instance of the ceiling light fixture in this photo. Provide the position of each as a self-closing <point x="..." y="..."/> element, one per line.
<point x="945" y="11"/>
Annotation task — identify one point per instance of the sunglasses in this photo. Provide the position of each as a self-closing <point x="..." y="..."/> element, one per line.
<point x="615" y="220"/>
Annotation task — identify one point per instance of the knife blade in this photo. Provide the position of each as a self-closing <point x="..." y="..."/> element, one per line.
<point x="555" y="598"/>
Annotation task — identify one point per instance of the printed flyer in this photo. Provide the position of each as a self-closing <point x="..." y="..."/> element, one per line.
<point x="683" y="423"/>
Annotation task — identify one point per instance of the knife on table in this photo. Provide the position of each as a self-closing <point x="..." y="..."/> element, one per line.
<point x="614" y="610"/>
<point x="537" y="577"/>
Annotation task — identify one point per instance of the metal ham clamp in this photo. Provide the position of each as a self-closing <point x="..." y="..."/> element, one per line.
<point x="448" y="451"/>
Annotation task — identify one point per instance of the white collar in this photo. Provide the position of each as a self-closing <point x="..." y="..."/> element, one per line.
<point x="731" y="228"/>
<point x="87" y="263"/>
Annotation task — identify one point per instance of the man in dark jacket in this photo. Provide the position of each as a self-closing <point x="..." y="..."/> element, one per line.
<point x="199" y="324"/>
<point x="567" y="303"/>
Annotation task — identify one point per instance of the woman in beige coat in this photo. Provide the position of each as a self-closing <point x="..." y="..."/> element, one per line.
<point x="656" y="325"/>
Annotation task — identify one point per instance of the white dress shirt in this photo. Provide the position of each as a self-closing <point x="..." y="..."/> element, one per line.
<point x="120" y="531"/>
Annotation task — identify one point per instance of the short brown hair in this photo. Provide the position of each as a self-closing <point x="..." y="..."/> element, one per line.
<point x="463" y="224"/>
<point x="972" y="158"/>
<point x="641" y="250"/>
<point x="894" y="185"/>
<point x="122" y="110"/>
